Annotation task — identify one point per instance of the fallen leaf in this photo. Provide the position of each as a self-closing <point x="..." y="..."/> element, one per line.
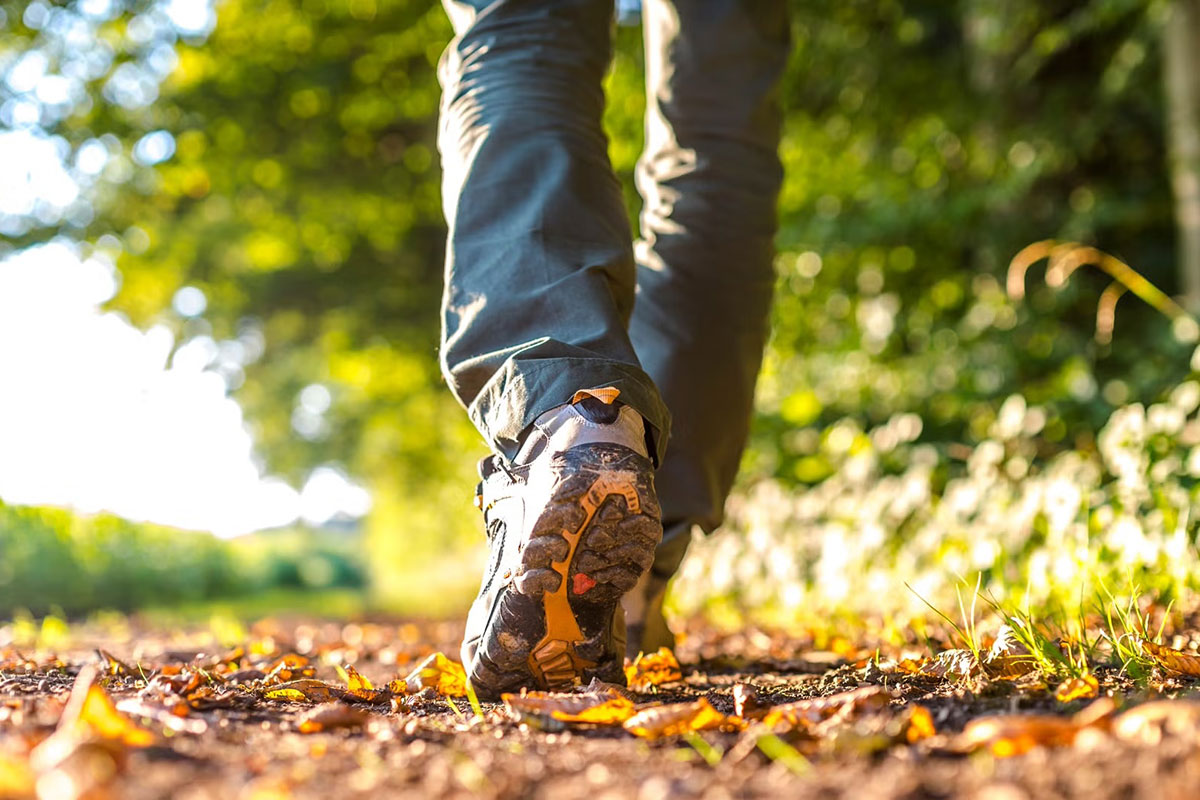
<point x="90" y="712"/>
<point x="167" y="717"/>
<point x="648" y="671"/>
<point x="953" y="665"/>
<point x="1149" y="722"/>
<point x="359" y="688"/>
<point x="1014" y="734"/>
<point x="1084" y="687"/>
<point x="920" y="724"/>
<point x="354" y="681"/>
<point x="596" y="708"/>
<point x="305" y="689"/>
<point x="804" y="713"/>
<point x="1008" y="657"/>
<point x="674" y="719"/>
<point x="114" y="665"/>
<point x="1172" y="659"/>
<point x="439" y="673"/>
<point x="332" y="715"/>
<point x="16" y="777"/>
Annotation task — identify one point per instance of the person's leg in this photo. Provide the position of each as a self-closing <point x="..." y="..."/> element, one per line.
<point x="709" y="177"/>
<point x="539" y="290"/>
<point x="539" y="263"/>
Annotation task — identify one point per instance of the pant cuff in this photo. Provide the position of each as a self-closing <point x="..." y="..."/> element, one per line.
<point x="521" y="391"/>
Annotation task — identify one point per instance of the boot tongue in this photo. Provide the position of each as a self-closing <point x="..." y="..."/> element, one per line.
<point x="593" y="409"/>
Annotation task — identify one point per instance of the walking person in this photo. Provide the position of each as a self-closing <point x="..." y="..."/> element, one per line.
<point x="613" y="380"/>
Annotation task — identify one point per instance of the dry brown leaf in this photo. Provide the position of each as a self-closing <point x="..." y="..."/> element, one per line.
<point x="919" y="724"/>
<point x="653" y="669"/>
<point x="439" y="673"/>
<point x="1085" y="687"/>
<point x="1014" y="734"/>
<point x="606" y="707"/>
<point x="805" y="713"/>
<point x="953" y="665"/>
<point x="332" y="715"/>
<point x="674" y="719"/>
<point x="1149" y="722"/>
<point x="1172" y="659"/>
<point x="1008" y="657"/>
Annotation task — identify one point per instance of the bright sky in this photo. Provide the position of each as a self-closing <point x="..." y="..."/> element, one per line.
<point x="94" y="413"/>
<point x="98" y="415"/>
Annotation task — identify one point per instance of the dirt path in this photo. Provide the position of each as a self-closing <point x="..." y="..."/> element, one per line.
<point x="197" y="720"/>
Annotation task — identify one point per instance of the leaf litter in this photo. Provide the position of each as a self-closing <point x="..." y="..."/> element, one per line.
<point x="100" y="722"/>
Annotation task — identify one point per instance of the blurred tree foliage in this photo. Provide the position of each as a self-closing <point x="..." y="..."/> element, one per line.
<point x="925" y="143"/>
<point x="54" y="559"/>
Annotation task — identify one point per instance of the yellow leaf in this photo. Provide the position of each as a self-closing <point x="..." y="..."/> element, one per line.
<point x="648" y="671"/>
<point x="671" y="720"/>
<point x="439" y="673"/>
<point x="16" y="777"/>
<point x="355" y="682"/>
<point x="920" y="724"/>
<point x="1172" y="659"/>
<point x="309" y="689"/>
<point x="398" y="686"/>
<point x="96" y="714"/>
<point x="607" y="707"/>
<point x="1077" y="688"/>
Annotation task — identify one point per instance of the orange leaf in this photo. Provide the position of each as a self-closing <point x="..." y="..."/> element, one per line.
<point x="920" y="724"/>
<point x="332" y="715"/>
<point x="674" y="719"/>
<point x="1077" y="688"/>
<point x="1172" y="659"/>
<point x="444" y="676"/>
<point x="648" y="671"/>
<point x="1014" y="734"/>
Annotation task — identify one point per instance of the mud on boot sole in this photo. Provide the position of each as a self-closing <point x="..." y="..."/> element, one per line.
<point x="593" y="540"/>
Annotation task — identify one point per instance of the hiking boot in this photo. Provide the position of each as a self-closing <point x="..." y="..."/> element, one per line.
<point x="572" y="526"/>
<point x="646" y="627"/>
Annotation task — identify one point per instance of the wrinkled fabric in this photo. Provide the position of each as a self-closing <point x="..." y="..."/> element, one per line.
<point x="541" y="275"/>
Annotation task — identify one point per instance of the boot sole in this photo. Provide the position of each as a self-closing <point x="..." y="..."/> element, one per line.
<point x="552" y="625"/>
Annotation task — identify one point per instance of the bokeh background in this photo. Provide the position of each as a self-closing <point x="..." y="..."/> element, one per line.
<point x="220" y="256"/>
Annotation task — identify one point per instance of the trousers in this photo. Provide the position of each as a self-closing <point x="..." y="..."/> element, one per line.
<point x="546" y="291"/>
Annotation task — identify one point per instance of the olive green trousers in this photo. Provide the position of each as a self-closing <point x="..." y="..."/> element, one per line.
<point x="546" y="291"/>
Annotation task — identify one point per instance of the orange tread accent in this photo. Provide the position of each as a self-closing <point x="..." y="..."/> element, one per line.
<point x="553" y="659"/>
